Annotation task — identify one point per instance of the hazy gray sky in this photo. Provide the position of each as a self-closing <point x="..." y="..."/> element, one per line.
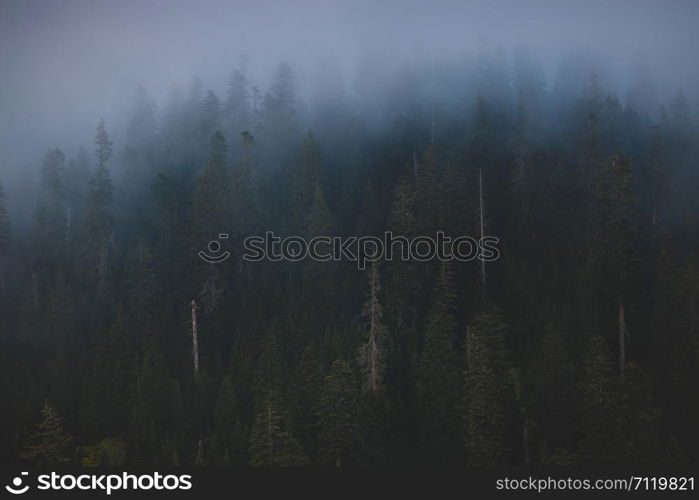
<point x="65" y="63"/>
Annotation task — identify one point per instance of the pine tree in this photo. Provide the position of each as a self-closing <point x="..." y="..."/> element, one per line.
<point x="603" y="409"/>
<point x="143" y="119"/>
<point x="656" y="173"/>
<point x="402" y="219"/>
<point x="278" y="115"/>
<point x="103" y="146"/>
<point x="612" y="261"/>
<point x="246" y="204"/>
<point x="211" y="114"/>
<point x="52" y="220"/>
<point x="49" y="446"/>
<point x="319" y="220"/>
<point x="306" y="180"/>
<point x="403" y="304"/>
<point x="150" y="410"/>
<point x="236" y="109"/>
<point x="438" y="374"/>
<point x="304" y="398"/>
<point x="211" y="198"/>
<point x="271" y="444"/>
<point x="337" y="411"/>
<point x="552" y="388"/>
<point x="372" y="351"/>
<point x="4" y="225"/>
<point x="268" y="372"/>
<point x="228" y="446"/>
<point x="107" y="388"/>
<point x="689" y="312"/>
<point x="490" y="326"/>
<point x="99" y="219"/>
<point x="485" y="419"/>
<point x="141" y="286"/>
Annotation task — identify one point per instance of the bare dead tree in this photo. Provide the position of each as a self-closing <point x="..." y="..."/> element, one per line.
<point x="199" y="460"/>
<point x="622" y="339"/>
<point x="195" y="340"/>
<point x="415" y="164"/>
<point x="482" y="223"/>
<point x="371" y="351"/>
<point x="525" y="435"/>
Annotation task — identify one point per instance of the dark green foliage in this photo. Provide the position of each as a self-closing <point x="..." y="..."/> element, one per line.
<point x="338" y="407"/>
<point x="212" y="195"/>
<point x="49" y="446"/>
<point x="581" y="348"/>
<point x="304" y="399"/>
<point x="307" y="197"/>
<point x="4" y="224"/>
<point x="603" y="407"/>
<point x="485" y="424"/>
<point x="103" y="146"/>
<point x="229" y="438"/>
<point x="271" y="445"/>
<point x="141" y="287"/>
<point x="268" y="372"/>
<point x="439" y="374"/>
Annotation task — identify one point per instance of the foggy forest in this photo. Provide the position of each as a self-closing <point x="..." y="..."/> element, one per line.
<point x="133" y="134"/>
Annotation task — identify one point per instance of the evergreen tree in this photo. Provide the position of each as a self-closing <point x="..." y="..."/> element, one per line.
<point x="211" y="114"/>
<point x="49" y="446"/>
<point x="229" y="439"/>
<point x="552" y="396"/>
<point x="236" y="109"/>
<point x="103" y="146"/>
<point x="141" y="286"/>
<point x="143" y="119"/>
<point x="268" y="372"/>
<point x="99" y="219"/>
<point x="438" y="375"/>
<point x="612" y="258"/>
<point x="52" y="221"/>
<point x="211" y="197"/>
<point x="278" y="114"/>
<point x="4" y="225"/>
<point x="304" y="398"/>
<point x="271" y="444"/>
<point x="603" y="408"/>
<point x="337" y="412"/>
<point x="372" y="351"/>
<point x="246" y="203"/>
<point x="485" y="421"/>
<point x="306" y="181"/>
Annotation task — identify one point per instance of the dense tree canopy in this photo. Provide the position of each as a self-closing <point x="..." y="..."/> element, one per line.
<point x="580" y="344"/>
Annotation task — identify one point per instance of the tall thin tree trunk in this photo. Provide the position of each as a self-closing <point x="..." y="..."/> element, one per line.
<point x="35" y="292"/>
<point x="195" y="341"/>
<point x="414" y="164"/>
<point x="525" y="436"/>
<point x="622" y="339"/>
<point x="200" y="452"/>
<point x="372" y="349"/>
<point x="68" y="225"/>
<point x="482" y="224"/>
<point x="195" y="356"/>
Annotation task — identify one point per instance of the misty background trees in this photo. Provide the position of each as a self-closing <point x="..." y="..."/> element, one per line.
<point x="579" y="345"/>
